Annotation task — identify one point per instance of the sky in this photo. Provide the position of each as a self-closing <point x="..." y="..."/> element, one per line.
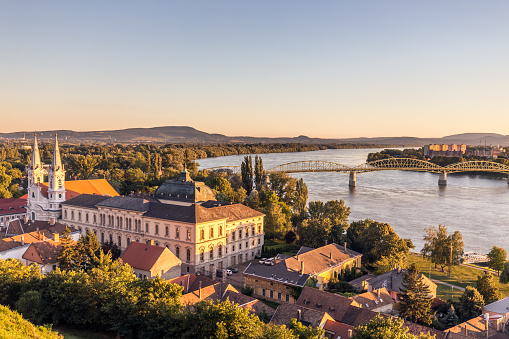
<point x="331" y="69"/>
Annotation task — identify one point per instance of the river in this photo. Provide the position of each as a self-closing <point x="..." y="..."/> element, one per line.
<point x="409" y="201"/>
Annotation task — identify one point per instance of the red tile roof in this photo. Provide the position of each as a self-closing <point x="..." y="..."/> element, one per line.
<point x="143" y="256"/>
<point x="44" y="252"/>
<point x="339" y="329"/>
<point x="13" y="206"/>
<point x="74" y="188"/>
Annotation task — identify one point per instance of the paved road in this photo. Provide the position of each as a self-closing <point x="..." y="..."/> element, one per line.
<point x="447" y="284"/>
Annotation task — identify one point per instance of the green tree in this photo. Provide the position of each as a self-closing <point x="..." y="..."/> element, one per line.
<point x="247" y="175"/>
<point x="470" y="304"/>
<point x="450" y="319"/>
<point x="222" y="188"/>
<point x="5" y="181"/>
<point x="305" y="332"/>
<point x="416" y="298"/>
<point x="385" y="328"/>
<point x="504" y="276"/>
<point x="497" y="257"/>
<point x="88" y="249"/>
<point x="68" y="258"/>
<point x="487" y="288"/>
<point x="259" y="173"/>
<point x="441" y="248"/>
<point x="16" y="278"/>
<point x="12" y="325"/>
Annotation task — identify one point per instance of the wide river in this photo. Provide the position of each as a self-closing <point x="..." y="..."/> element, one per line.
<point x="409" y="201"/>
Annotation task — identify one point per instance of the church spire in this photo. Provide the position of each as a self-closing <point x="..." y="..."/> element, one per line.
<point x="36" y="158"/>
<point x="56" y="163"/>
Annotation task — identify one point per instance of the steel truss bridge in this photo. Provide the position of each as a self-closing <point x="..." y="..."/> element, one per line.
<point x="393" y="164"/>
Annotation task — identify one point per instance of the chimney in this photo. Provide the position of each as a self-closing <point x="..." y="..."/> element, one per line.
<point x="56" y="237"/>
<point x="330" y="255"/>
<point x="199" y="291"/>
<point x="345" y="246"/>
<point x="350" y="333"/>
<point x="466" y="330"/>
<point x="151" y="242"/>
<point x="326" y="242"/>
<point x="486" y="323"/>
<point x="25" y="219"/>
<point x="399" y="269"/>
<point x="378" y="293"/>
<point x="301" y="267"/>
<point x="22" y="240"/>
<point x="299" y="315"/>
<point x="52" y="221"/>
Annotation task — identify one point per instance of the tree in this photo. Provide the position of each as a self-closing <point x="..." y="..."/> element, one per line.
<point x="497" y="257"/>
<point x="5" y="181"/>
<point x="385" y="328"/>
<point x="305" y="332"/>
<point x="222" y="188"/>
<point x="504" y="276"/>
<point x="416" y="298"/>
<point x="68" y="258"/>
<point x="486" y="286"/>
<point x="246" y="170"/>
<point x="111" y="247"/>
<point x="290" y="237"/>
<point x="88" y="249"/>
<point x="259" y="173"/>
<point x="441" y="248"/>
<point x="450" y="319"/>
<point x="470" y="304"/>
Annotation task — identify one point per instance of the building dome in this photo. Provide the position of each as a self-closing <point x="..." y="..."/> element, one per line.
<point x="184" y="189"/>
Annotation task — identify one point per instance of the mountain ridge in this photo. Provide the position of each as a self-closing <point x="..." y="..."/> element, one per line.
<point x="187" y="134"/>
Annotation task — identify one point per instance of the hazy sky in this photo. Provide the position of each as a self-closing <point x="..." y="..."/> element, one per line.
<point x="261" y="68"/>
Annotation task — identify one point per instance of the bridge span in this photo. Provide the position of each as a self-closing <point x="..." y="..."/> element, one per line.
<point x="393" y="164"/>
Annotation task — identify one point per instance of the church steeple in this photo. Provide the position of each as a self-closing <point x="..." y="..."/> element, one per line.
<point x="56" y="163"/>
<point x="36" y="157"/>
<point x="35" y="170"/>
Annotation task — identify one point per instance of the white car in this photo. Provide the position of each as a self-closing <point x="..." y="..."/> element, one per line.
<point x="229" y="272"/>
<point x="262" y="261"/>
<point x="269" y="261"/>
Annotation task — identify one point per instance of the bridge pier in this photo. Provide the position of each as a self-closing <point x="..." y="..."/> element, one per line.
<point x="353" y="179"/>
<point x="442" y="179"/>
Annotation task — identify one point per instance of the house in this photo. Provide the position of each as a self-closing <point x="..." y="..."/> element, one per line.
<point x="149" y="261"/>
<point x="43" y="253"/>
<point x="498" y="310"/>
<point x="254" y="306"/>
<point x="376" y="301"/>
<point x="336" y="330"/>
<point x="276" y="282"/>
<point x="199" y="287"/>
<point x="25" y="225"/>
<point x="307" y="316"/>
<point x="14" y="247"/>
<point x="393" y="282"/>
<point x="11" y="209"/>
<point x="349" y="312"/>
<point x="483" y="326"/>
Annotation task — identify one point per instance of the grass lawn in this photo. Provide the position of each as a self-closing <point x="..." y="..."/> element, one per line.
<point x="81" y="334"/>
<point x="461" y="275"/>
<point x="445" y="293"/>
<point x="282" y="247"/>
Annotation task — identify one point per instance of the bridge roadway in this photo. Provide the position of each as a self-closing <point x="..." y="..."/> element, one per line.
<point x="393" y="164"/>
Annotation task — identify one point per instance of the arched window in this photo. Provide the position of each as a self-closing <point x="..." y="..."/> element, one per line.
<point x="102" y="238"/>
<point x="79" y="216"/>
<point x="119" y="241"/>
<point x="157" y="229"/>
<point x="220" y="251"/>
<point x="65" y="213"/>
<point x="146" y="227"/>
<point x="220" y="230"/>
<point x="177" y="252"/>
<point x="72" y="215"/>
<point x="211" y="233"/>
<point x="166" y="231"/>
<point x="128" y="241"/>
<point x="202" y="234"/>
<point x="188" y="254"/>
<point x="247" y="232"/>
<point x="240" y="234"/>
<point x="59" y="183"/>
<point x="177" y="233"/>
<point x="202" y="254"/>
<point x="111" y="238"/>
<point x="211" y="252"/>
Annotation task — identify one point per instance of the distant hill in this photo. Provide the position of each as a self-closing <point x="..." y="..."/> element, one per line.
<point x="186" y="134"/>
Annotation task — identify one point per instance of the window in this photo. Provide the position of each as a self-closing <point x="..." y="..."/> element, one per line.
<point x="247" y="245"/>
<point x="287" y="298"/>
<point x="177" y="252"/>
<point x="166" y="231"/>
<point x="220" y="251"/>
<point x="188" y="234"/>
<point x="119" y="241"/>
<point x="102" y="238"/>
<point x="95" y="218"/>
<point x="202" y="234"/>
<point x="263" y="292"/>
<point x="33" y="195"/>
<point x="72" y="215"/>
<point x="247" y="232"/>
<point x="60" y="196"/>
<point x="177" y="233"/>
<point x="86" y="217"/>
<point x="279" y="295"/>
<point x="252" y="231"/>
<point x="60" y="185"/>
<point x="259" y="241"/>
<point x="272" y="294"/>
<point x="188" y="254"/>
<point x="202" y="255"/>
<point x="211" y="251"/>
<point x="65" y="214"/>
<point x="146" y="227"/>
<point x="111" y="238"/>
<point x="128" y="241"/>
<point x="252" y="242"/>
<point x="240" y="246"/>
<point x="220" y="230"/>
<point x="211" y="233"/>
<point x="233" y="236"/>
<point x="240" y="234"/>
<point x="259" y="228"/>
<point x="233" y="248"/>
<point x="157" y="229"/>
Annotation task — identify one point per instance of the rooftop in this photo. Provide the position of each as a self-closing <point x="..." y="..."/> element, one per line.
<point x="143" y="256"/>
<point x="307" y="316"/>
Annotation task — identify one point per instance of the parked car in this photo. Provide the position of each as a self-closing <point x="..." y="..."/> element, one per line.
<point x="262" y="260"/>
<point x="270" y="261"/>
<point x="228" y="272"/>
<point x="233" y="269"/>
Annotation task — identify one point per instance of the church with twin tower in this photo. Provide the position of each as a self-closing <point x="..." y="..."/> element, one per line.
<point x="45" y="197"/>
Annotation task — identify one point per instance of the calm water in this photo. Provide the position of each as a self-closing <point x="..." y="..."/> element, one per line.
<point x="408" y="201"/>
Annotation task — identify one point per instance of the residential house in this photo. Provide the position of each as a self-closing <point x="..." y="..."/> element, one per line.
<point x="393" y="282"/>
<point x="376" y="301"/>
<point x="149" y="261"/>
<point x="11" y="209"/>
<point x="336" y="330"/>
<point x="44" y="253"/>
<point x="276" y="282"/>
<point x="197" y="288"/>
<point x="483" y="326"/>
<point x="254" y="305"/>
<point x="498" y="310"/>
<point x="307" y="316"/>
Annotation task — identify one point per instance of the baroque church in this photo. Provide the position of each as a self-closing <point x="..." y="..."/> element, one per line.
<point x="45" y="197"/>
